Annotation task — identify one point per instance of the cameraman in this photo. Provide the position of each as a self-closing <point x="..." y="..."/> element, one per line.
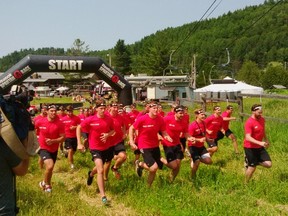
<point x="12" y="164"/>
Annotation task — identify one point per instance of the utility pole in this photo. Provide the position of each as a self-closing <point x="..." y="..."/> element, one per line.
<point x="193" y="72"/>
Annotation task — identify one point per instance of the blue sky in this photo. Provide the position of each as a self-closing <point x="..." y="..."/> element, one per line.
<point x="57" y="23"/>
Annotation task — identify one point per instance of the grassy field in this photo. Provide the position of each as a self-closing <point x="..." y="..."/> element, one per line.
<point x="218" y="190"/>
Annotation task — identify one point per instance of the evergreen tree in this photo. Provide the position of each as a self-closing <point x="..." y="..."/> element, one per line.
<point x="121" y="58"/>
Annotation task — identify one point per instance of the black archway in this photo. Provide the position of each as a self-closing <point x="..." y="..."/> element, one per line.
<point x="41" y="63"/>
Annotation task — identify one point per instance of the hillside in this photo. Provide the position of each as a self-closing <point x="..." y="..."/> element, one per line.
<point x="256" y="33"/>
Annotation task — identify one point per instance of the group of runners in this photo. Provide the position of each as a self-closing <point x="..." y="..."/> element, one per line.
<point x="105" y="128"/>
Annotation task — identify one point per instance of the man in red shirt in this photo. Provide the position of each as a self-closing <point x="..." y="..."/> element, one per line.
<point x="226" y="115"/>
<point x="255" y="142"/>
<point x="99" y="127"/>
<point x="51" y="134"/>
<point x="174" y="126"/>
<point x="198" y="152"/>
<point x="214" y="124"/>
<point x="117" y="142"/>
<point x="148" y="126"/>
<point x="61" y="114"/>
<point x="133" y="113"/>
<point x="71" y="122"/>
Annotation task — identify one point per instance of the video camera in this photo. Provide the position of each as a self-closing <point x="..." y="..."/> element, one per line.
<point x="21" y="94"/>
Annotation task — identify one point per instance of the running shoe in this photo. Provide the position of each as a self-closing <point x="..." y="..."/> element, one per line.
<point x="48" y="188"/>
<point x="104" y="200"/>
<point x="42" y="185"/>
<point x="89" y="179"/>
<point x="116" y="172"/>
<point x="72" y="166"/>
<point x="139" y="170"/>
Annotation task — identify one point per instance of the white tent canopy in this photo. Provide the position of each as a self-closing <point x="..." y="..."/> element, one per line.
<point x="232" y="87"/>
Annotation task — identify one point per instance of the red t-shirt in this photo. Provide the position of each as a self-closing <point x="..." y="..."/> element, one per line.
<point x="255" y="127"/>
<point x="225" y="124"/>
<point x="197" y="130"/>
<point x="174" y="128"/>
<point x="61" y="116"/>
<point x="37" y="118"/>
<point x="81" y="116"/>
<point x="68" y="122"/>
<point x="186" y="119"/>
<point x="95" y="127"/>
<point x="214" y="124"/>
<point x="50" y="130"/>
<point x="133" y="115"/>
<point x="119" y="123"/>
<point x="148" y="129"/>
<point x="170" y="113"/>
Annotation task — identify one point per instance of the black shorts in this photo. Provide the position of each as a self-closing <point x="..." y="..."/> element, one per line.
<point x="71" y="143"/>
<point x="120" y="147"/>
<point x="105" y="156"/>
<point x="173" y="152"/>
<point x="255" y="156"/>
<point x="220" y="135"/>
<point x="211" y="142"/>
<point x="152" y="155"/>
<point x="197" y="152"/>
<point x="44" y="154"/>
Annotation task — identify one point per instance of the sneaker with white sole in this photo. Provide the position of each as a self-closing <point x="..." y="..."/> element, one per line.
<point x="104" y="200"/>
<point x="48" y="188"/>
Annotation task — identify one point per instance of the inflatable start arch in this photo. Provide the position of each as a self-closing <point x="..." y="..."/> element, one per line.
<point x="41" y="63"/>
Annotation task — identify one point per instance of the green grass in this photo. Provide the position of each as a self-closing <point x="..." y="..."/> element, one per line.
<point x="218" y="190"/>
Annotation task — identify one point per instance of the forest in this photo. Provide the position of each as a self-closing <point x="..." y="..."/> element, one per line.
<point x="249" y="45"/>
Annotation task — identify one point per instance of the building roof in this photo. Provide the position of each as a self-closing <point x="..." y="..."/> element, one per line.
<point x="278" y="86"/>
<point x="238" y="86"/>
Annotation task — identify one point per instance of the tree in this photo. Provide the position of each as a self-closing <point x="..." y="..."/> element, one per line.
<point x="122" y="58"/>
<point x="78" y="49"/>
<point x="250" y="73"/>
<point x="275" y="74"/>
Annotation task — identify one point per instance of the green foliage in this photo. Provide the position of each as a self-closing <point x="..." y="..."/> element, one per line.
<point x="256" y="34"/>
<point x="274" y="75"/>
<point x="122" y="58"/>
<point x="78" y="49"/>
<point x="250" y="73"/>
